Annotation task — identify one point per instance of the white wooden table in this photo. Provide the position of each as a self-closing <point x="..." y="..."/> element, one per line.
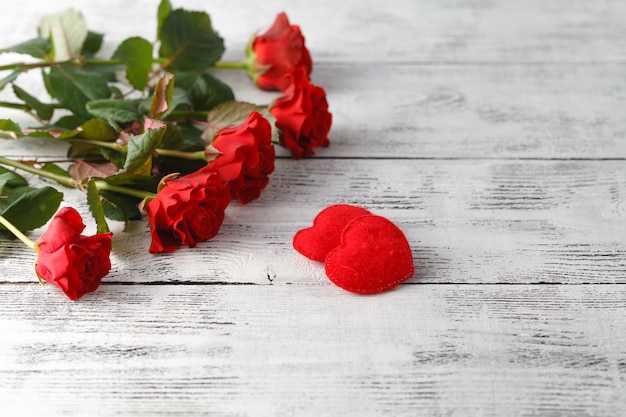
<point x="492" y="132"/>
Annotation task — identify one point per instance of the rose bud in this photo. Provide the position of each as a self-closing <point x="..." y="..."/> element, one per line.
<point x="302" y="116"/>
<point x="73" y="262"/>
<point x="276" y="53"/>
<point x="187" y="210"/>
<point x="246" y="157"/>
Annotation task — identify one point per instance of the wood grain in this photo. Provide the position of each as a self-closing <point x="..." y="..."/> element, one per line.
<point x="372" y="31"/>
<point x="466" y="220"/>
<point x="473" y="111"/>
<point x="193" y="350"/>
<point x="491" y="132"/>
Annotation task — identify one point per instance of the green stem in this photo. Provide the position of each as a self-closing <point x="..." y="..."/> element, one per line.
<point x="182" y="154"/>
<point x="124" y="149"/>
<point x="231" y="65"/>
<point x="17" y="232"/>
<point x="103" y="186"/>
<point x="22" y="66"/>
<point x="103" y="62"/>
<point x="185" y="115"/>
<point x="69" y="182"/>
<point x="61" y="179"/>
<point x="17" y="106"/>
<point x="103" y="144"/>
<point x="25" y="67"/>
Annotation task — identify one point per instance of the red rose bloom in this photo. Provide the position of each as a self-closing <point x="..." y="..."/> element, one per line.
<point x="302" y="116"/>
<point x="276" y="53"/>
<point x="73" y="262"/>
<point x="247" y="157"/>
<point x="187" y="210"/>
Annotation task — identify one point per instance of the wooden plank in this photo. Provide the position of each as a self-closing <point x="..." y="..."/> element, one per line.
<point x="373" y="31"/>
<point x="466" y="220"/>
<point x="448" y="111"/>
<point x="454" y="350"/>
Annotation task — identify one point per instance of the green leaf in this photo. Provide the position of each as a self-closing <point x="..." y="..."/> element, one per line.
<point x="67" y="31"/>
<point x="117" y="158"/>
<point x="9" y="78"/>
<point x="95" y="129"/>
<point x="173" y="138"/>
<point x="55" y="169"/>
<point x="119" y="111"/>
<point x="205" y="91"/>
<point x="233" y="113"/>
<point x="75" y="88"/>
<point x="120" y="208"/>
<point x="96" y="208"/>
<point x="9" y="129"/>
<point x="70" y="122"/>
<point x="11" y="178"/>
<point x="179" y="98"/>
<point x="138" y="182"/>
<point x="192" y="136"/>
<point x="136" y="54"/>
<point x="92" y="44"/>
<point x="33" y="208"/>
<point x="140" y="150"/>
<point x="189" y="42"/>
<point x="37" y="47"/>
<point x="164" y="10"/>
<point x="12" y="186"/>
<point x="44" y="111"/>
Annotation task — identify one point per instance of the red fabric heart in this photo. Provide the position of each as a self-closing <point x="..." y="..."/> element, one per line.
<point x="325" y="235"/>
<point x="374" y="256"/>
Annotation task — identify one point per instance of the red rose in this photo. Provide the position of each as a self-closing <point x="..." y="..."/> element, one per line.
<point x="247" y="157"/>
<point x="73" y="262"/>
<point x="276" y="53"/>
<point x="302" y="116"/>
<point x="187" y="210"/>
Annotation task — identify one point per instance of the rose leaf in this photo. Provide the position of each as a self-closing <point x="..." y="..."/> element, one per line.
<point x="204" y="90"/>
<point x="9" y="129"/>
<point x="136" y="54"/>
<point x="164" y="10"/>
<point x="44" y="111"/>
<point x="67" y="31"/>
<point x="92" y="43"/>
<point x="140" y="150"/>
<point x="74" y="88"/>
<point x="189" y="42"/>
<point x="96" y="208"/>
<point x="33" y="208"/>
<point x="112" y="110"/>
<point x="37" y="47"/>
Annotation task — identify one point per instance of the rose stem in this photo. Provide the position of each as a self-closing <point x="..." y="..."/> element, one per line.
<point x="181" y="154"/>
<point x="69" y="182"/>
<point x="18" y="234"/>
<point x="123" y="149"/>
<point x="104" y="186"/>
<point x="231" y="65"/>
<point x="61" y="179"/>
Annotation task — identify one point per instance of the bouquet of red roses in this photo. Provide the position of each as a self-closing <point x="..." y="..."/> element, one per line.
<point x="167" y="141"/>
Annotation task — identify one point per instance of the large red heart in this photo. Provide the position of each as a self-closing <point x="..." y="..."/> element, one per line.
<point x="325" y="235"/>
<point x="374" y="256"/>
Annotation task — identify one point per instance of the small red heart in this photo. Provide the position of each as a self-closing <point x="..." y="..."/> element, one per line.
<point x="374" y="256"/>
<point x="325" y="235"/>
